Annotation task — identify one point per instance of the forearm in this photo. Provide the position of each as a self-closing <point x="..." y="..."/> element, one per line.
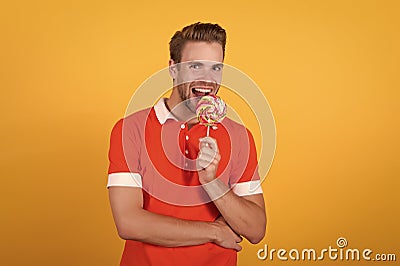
<point x="244" y="217"/>
<point x="165" y="231"/>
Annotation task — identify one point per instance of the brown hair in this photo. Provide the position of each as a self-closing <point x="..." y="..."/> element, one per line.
<point x="205" y="32"/>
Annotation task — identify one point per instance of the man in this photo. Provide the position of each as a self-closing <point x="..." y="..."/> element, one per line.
<point x="178" y="197"/>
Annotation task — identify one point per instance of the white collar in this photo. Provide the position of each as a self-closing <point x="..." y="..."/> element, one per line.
<point x="162" y="112"/>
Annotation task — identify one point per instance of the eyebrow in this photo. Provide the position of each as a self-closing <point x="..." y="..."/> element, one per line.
<point x="220" y="65"/>
<point x="196" y="62"/>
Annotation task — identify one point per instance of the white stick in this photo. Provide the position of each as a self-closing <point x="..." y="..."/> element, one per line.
<point x="208" y="127"/>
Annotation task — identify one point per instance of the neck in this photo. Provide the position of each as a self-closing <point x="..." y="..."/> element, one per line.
<point x="174" y="100"/>
<point x="171" y="103"/>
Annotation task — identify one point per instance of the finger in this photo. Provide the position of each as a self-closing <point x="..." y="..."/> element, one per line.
<point x="202" y="164"/>
<point x="239" y="239"/>
<point x="211" y="167"/>
<point x="208" y="150"/>
<point x="221" y="218"/>
<point x="207" y="157"/>
<point x="204" y="144"/>
<point x="215" y="162"/>
<point x="206" y="163"/>
<point x="237" y="247"/>
<point x="210" y="154"/>
<point x="209" y="141"/>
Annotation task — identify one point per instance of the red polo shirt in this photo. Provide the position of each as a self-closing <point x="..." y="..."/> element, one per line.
<point x="152" y="150"/>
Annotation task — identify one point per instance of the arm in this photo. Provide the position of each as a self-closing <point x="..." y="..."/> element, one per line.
<point x="245" y="215"/>
<point x="133" y="222"/>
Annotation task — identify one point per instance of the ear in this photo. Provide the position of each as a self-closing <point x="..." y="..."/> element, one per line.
<point x="173" y="72"/>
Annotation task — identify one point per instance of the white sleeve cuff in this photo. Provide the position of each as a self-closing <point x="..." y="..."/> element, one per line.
<point x="124" y="180"/>
<point x="247" y="188"/>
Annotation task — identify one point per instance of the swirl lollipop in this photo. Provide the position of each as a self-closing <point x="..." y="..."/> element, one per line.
<point x="210" y="110"/>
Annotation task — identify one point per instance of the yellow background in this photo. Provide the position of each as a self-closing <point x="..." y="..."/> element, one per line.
<point x="329" y="69"/>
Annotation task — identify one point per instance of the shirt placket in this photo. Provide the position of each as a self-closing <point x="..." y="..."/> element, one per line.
<point x="184" y="145"/>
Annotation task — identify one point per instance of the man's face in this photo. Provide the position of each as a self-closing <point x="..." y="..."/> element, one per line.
<point x="200" y="71"/>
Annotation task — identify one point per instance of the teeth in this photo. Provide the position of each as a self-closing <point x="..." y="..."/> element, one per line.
<point x="202" y="90"/>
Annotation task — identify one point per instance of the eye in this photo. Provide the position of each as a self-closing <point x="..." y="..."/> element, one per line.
<point x="217" y="68"/>
<point x="195" y="66"/>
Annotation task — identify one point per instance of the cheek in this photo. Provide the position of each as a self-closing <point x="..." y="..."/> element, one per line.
<point x="184" y="90"/>
<point x="187" y="89"/>
<point x="188" y="76"/>
<point x="218" y="77"/>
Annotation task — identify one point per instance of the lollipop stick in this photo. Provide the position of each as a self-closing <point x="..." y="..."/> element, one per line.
<point x="208" y="127"/>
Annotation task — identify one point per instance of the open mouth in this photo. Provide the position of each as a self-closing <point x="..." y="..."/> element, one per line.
<point x="200" y="92"/>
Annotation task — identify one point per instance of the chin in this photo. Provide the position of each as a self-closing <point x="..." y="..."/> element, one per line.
<point x="191" y="104"/>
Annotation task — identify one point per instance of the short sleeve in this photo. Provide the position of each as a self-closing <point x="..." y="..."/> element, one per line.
<point x="244" y="177"/>
<point x="124" y="157"/>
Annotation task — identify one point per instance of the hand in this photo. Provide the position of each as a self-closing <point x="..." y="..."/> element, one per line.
<point x="208" y="160"/>
<point x="225" y="236"/>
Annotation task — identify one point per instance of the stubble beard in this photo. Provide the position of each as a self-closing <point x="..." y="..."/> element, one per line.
<point x="184" y="94"/>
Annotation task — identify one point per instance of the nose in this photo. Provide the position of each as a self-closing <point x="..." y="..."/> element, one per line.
<point x="209" y="75"/>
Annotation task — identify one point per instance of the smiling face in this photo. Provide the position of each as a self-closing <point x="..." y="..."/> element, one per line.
<point x="198" y="74"/>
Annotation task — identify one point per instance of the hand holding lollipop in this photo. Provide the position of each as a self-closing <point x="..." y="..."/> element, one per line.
<point x="210" y="110"/>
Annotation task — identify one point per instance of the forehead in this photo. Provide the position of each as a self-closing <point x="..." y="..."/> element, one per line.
<point x="210" y="51"/>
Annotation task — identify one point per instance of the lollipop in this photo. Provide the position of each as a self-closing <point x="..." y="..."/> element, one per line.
<point x="210" y="110"/>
